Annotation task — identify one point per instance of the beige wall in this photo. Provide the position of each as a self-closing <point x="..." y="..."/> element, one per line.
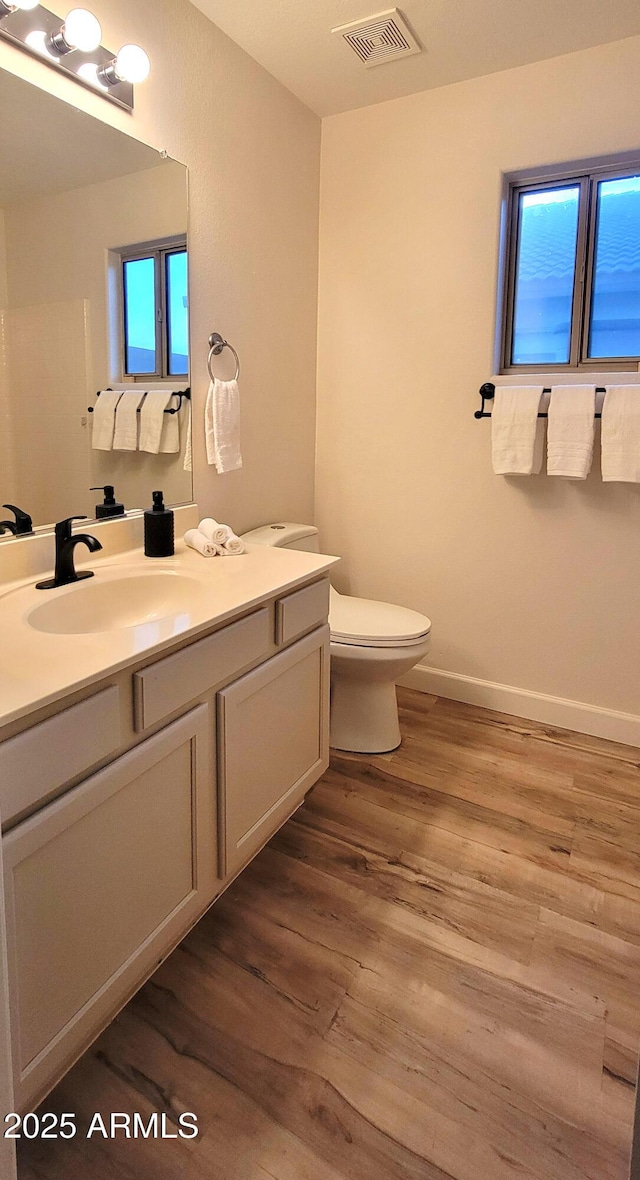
<point x="49" y="445"/>
<point x="6" y="439"/>
<point x="3" y="262"/>
<point x="531" y="582"/>
<point x="252" y="151"/>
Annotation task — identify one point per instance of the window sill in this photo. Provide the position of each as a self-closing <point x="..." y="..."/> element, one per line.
<point x="562" y="377"/>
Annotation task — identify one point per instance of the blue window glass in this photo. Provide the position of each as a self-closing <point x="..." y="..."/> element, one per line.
<point x="177" y="313"/>
<point x="544" y="278"/>
<point x="140" y="315"/>
<point x="614" y="328"/>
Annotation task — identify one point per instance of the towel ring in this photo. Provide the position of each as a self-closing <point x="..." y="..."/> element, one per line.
<point x="216" y="345"/>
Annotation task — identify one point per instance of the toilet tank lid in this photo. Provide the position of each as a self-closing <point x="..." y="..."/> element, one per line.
<point x="281" y="534"/>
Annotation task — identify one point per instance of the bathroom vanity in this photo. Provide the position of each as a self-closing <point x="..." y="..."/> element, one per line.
<point x="143" y="763"/>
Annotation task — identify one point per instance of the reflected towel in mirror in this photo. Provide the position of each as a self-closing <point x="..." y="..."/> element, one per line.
<point x="170" y="437"/>
<point x="152" y="418"/>
<point x="125" y="437"/>
<point x="104" y="420"/>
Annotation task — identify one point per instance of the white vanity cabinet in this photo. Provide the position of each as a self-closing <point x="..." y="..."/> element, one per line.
<point x="97" y="885"/>
<point x="154" y="790"/>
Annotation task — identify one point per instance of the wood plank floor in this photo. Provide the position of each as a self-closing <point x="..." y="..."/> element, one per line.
<point x="431" y="973"/>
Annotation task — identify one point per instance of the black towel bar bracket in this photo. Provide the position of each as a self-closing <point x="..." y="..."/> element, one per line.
<point x="488" y="392"/>
<point x="183" y="394"/>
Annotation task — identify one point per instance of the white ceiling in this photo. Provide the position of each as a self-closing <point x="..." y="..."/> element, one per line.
<point x="461" y="39"/>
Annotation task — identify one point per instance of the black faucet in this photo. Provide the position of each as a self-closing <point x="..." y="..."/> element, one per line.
<point x="65" y="571"/>
<point x="21" y="527"/>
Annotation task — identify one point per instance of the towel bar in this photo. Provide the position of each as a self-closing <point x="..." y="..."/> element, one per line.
<point x="183" y="394"/>
<point x="488" y="392"/>
<point x="216" y="345"/>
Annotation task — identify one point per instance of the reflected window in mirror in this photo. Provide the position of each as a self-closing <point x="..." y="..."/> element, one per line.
<point x="154" y="310"/>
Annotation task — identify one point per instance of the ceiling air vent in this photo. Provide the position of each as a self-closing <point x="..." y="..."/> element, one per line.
<point x="381" y="38"/>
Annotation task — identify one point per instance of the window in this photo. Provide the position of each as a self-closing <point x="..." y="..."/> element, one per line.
<point x="155" y="314"/>
<point x="572" y="277"/>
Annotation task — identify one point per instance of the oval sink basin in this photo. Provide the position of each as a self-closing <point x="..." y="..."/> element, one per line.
<point x="115" y="603"/>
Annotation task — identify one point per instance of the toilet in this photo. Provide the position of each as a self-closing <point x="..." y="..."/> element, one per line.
<point x="372" y="645"/>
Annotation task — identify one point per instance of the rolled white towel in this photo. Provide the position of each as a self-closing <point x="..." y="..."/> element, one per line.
<point x="233" y="547"/>
<point x="218" y="533"/>
<point x="196" y="540"/>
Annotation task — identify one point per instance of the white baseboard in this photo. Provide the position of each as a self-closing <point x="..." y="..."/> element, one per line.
<point x="535" y="706"/>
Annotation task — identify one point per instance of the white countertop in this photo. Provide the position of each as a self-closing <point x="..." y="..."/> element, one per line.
<point x="37" y="668"/>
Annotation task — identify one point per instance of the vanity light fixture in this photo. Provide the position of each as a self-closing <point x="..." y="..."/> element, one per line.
<point x="20" y="5"/>
<point x="72" y="46"/>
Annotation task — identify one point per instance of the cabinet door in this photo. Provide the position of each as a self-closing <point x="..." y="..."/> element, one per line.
<point x="7" y="1146"/>
<point x="99" y="886"/>
<point x="273" y="744"/>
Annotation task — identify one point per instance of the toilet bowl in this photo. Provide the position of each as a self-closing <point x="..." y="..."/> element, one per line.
<point x="373" y="644"/>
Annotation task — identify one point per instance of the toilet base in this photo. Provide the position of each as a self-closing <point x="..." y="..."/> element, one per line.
<point x="364" y="708"/>
<point x="364" y="717"/>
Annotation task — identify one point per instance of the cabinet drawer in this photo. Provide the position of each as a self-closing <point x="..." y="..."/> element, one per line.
<point x="175" y="681"/>
<point x="38" y="762"/>
<point x="98" y="885"/>
<point x="301" y="611"/>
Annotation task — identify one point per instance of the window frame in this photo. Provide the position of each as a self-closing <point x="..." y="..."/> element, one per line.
<point x="587" y="179"/>
<point x="159" y="251"/>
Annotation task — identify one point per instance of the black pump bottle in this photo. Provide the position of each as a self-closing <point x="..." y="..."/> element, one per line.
<point x="110" y="506"/>
<point x="158" y="529"/>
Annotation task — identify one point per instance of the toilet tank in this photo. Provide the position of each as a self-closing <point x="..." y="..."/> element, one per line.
<point x="285" y="536"/>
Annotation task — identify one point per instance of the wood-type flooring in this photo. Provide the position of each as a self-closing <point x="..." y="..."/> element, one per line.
<point x="432" y="972"/>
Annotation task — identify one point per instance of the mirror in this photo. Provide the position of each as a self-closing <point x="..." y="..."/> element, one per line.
<point x="93" y="296"/>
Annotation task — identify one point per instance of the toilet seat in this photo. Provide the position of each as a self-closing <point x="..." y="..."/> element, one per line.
<point x="360" y="622"/>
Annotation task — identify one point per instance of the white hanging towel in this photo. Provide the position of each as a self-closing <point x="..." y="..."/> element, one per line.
<point x="621" y="434"/>
<point x="170" y="437"/>
<point x="571" y="429"/>
<point x="517" y="434"/>
<point x="104" y="420"/>
<point x="125" y="436"/>
<point x="152" y="418"/>
<point x="222" y="425"/>
<point x="188" y="460"/>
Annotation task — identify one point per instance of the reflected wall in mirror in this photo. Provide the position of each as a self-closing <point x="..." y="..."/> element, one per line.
<point x="93" y="295"/>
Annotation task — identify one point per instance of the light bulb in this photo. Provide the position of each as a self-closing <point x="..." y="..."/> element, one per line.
<point x="37" y="39"/>
<point x="81" y="30"/>
<point x="132" y="64"/>
<point x="9" y="6"/>
<point x="89" y="72"/>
